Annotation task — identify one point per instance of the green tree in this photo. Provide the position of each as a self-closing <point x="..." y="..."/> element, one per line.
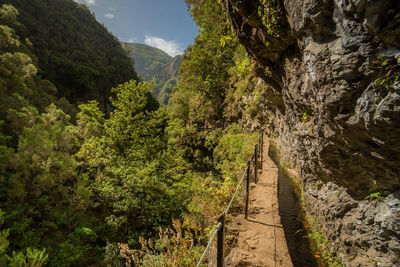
<point x="134" y="175"/>
<point x="46" y="193"/>
<point x="20" y="86"/>
<point x="43" y="162"/>
<point x="72" y="50"/>
<point x="32" y="257"/>
<point x="198" y="102"/>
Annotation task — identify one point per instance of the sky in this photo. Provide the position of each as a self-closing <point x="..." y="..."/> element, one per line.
<point x="165" y="24"/>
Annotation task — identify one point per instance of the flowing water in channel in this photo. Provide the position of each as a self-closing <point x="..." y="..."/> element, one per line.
<point x="292" y="220"/>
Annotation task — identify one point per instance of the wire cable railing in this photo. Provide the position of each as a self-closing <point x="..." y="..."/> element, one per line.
<point x="219" y="232"/>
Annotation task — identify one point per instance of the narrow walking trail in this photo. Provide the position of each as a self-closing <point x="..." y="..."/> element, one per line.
<point x="261" y="239"/>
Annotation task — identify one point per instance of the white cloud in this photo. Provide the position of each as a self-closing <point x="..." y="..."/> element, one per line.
<point x="132" y="40"/>
<point x="109" y="16"/>
<point x="87" y="2"/>
<point x="172" y="48"/>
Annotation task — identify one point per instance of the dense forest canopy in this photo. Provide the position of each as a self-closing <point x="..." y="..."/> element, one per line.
<point x="72" y="50"/>
<point x="83" y="185"/>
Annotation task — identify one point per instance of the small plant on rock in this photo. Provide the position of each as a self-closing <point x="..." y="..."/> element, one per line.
<point x="376" y="195"/>
<point x="270" y="13"/>
<point x="307" y="114"/>
<point x="389" y="72"/>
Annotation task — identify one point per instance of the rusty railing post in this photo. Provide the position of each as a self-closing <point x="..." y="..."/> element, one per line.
<point x="247" y="191"/>
<point x="255" y="164"/>
<point x="220" y="241"/>
<point x="262" y="149"/>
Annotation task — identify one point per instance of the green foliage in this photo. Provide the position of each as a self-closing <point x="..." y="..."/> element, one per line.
<point x="204" y="71"/>
<point x="308" y="113"/>
<point x="19" y="65"/>
<point x="72" y="50"/>
<point x="372" y="196"/>
<point x="44" y="195"/>
<point x="136" y="177"/>
<point x="6" y="154"/>
<point x="32" y="258"/>
<point x="200" y="98"/>
<point x="175" y="247"/>
<point x="322" y="244"/>
<point x="8" y="38"/>
<point x="20" y="86"/>
<point x="224" y="40"/>
<point x="8" y="14"/>
<point x="90" y="120"/>
<point x="4" y="243"/>
<point x="244" y="99"/>
<point x="125" y="179"/>
<point x="233" y="150"/>
<point x="270" y="13"/>
<point x="43" y="155"/>
<point x="214" y="148"/>
<point x="305" y="118"/>
<point x="45" y="190"/>
<point x="164" y="93"/>
<point x="388" y="72"/>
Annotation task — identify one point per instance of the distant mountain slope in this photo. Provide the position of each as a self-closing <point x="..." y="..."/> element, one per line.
<point x="72" y="49"/>
<point x="151" y="63"/>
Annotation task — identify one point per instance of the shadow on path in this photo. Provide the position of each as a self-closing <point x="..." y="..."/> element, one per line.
<point x="266" y="224"/>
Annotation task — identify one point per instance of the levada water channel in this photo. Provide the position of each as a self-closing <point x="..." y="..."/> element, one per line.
<point x="292" y="220"/>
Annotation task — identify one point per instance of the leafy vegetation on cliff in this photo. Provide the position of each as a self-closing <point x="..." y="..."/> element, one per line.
<point x="104" y="186"/>
<point x="72" y="50"/>
<point x="216" y="91"/>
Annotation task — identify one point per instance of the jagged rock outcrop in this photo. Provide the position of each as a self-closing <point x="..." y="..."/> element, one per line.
<point x="336" y="112"/>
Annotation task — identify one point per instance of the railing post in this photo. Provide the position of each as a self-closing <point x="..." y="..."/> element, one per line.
<point x="262" y="150"/>
<point x="255" y="164"/>
<point x="220" y="241"/>
<point x="247" y="191"/>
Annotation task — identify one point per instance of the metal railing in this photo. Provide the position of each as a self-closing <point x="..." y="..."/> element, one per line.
<point x="220" y="229"/>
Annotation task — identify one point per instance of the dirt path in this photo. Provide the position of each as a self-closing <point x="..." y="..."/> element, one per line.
<point x="261" y="240"/>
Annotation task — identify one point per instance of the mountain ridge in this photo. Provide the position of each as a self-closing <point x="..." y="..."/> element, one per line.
<point x="153" y="63"/>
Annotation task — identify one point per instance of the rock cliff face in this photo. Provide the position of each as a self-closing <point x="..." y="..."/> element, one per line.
<point x="333" y="67"/>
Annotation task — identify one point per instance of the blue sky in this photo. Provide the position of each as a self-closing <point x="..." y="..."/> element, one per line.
<point x="165" y="24"/>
